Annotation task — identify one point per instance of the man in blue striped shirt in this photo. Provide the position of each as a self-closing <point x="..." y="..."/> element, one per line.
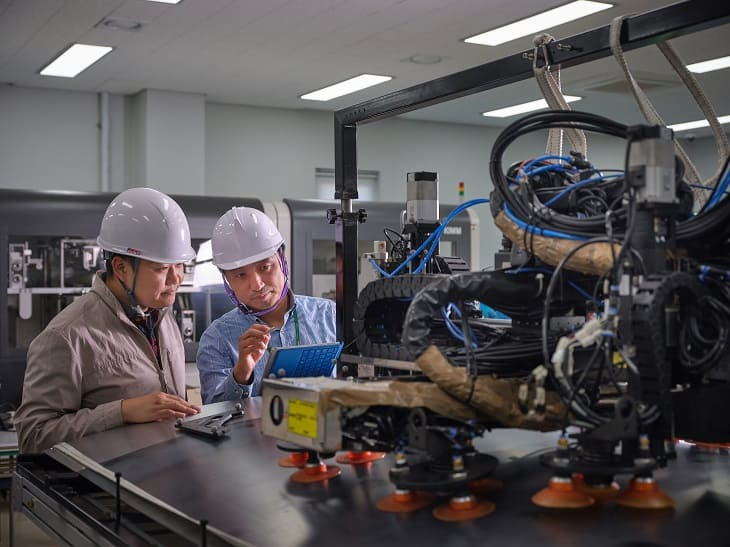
<point x="248" y="250"/>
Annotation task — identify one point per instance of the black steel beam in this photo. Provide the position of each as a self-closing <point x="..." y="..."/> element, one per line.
<point x="346" y="276"/>
<point x="638" y="31"/>
<point x="345" y="160"/>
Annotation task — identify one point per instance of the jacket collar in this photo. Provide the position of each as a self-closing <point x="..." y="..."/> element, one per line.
<point x="99" y="287"/>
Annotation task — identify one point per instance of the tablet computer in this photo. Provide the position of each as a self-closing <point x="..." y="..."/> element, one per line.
<point x="302" y="361"/>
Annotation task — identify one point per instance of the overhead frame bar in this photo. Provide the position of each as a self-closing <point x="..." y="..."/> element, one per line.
<point x="638" y="31"/>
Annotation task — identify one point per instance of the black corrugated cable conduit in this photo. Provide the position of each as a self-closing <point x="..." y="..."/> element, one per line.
<point x="492" y="395"/>
<point x="495" y="289"/>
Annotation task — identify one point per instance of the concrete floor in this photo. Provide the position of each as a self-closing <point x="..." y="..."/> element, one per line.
<point x="25" y="532"/>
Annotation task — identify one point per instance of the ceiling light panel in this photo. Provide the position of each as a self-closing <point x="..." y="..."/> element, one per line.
<point x="537" y="23"/>
<point x="539" y="104"/>
<point x="686" y="126"/>
<point x="710" y="65"/>
<point x="346" y="87"/>
<point x="166" y="1"/>
<point x="74" y="60"/>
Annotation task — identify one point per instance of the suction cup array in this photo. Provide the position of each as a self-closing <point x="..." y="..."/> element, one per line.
<point x="461" y="508"/>
<point x="293" y="459"/>
<point x="405" y="501"/>
<point x="561" y="493"/>
<point x="356" y="458"/>
<point x="315" y="472"/>
<point x="644" y="493"/>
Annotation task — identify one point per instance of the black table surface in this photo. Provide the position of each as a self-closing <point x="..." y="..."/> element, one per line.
<point x="236" y="484"/>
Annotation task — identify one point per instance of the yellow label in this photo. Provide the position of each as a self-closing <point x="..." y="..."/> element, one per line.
<point x="303" y="418"/>
<point x="618" y="361"/>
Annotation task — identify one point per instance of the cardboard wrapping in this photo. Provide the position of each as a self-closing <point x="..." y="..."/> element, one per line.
<point x="495" y="399"/>
<point x="593" y="259"/>
<point x="405" y="394"/>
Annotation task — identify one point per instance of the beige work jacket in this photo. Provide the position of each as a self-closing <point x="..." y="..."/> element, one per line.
<point x="89" y="358"/>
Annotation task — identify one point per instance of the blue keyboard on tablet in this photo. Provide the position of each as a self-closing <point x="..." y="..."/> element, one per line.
<point x="302" y="361"/>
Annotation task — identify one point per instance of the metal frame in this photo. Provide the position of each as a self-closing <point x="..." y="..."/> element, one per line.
<point x="638" y="31"/>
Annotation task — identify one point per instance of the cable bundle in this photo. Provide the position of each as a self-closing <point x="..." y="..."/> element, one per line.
<point x="505" y="352"/>
<point x="542" y="209"/>
<point x="704" y="335"/>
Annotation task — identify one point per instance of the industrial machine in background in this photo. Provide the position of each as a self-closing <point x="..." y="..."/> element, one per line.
<point x="48" y="255"/>
<point x="309" y="239"/>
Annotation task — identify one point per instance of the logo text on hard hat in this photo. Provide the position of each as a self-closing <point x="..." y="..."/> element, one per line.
<point x="133" y="251"/>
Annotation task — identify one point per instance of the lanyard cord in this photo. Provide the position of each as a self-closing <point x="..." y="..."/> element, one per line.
<point x="297" y="336"/>
<point x="298" y="340"/>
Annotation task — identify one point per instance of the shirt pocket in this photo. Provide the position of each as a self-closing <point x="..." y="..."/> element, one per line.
<point x="117" y="376"/>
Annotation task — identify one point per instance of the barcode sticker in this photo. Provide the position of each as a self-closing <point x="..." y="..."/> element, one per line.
<point x="303" y="418"/>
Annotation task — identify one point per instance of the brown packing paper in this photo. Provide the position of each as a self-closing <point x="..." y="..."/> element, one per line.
<point x="495" y="399"/>
<point x="407" y="394"/>
<point x="593" y="259"/>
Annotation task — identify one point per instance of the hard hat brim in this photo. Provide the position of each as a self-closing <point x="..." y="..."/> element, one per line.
<point x="263" y="255"/>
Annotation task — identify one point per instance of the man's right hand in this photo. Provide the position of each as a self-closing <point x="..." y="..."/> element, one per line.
<point x="156" y="407"/>
<point x="251" y="347"/>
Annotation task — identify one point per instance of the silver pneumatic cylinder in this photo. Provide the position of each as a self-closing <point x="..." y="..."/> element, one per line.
<point x="422" y="198"/>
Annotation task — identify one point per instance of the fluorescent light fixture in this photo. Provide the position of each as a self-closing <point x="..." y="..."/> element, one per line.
<point x="536" y="23"/>
<point x="166" y="1"/>
<point x="74" y="60"/>
<point x="524" y="107"/>
<point x="686" y="126"/>
<point x="709" y="65"/>
<point x="344" y="88"/>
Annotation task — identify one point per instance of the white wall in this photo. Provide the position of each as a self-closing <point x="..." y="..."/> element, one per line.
<point x="265" y="152"/>
<point x="49" y="139"/>
<point x="703" y="154"/>
<point x="175" y="130"/>
<point x="272" y="153"/>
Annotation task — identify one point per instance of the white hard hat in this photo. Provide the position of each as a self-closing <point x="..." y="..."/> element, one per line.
<point x="243" y="236"/>
<point x="145" y="223"/>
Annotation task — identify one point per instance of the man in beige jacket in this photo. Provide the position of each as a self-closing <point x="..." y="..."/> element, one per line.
<point x="115" y="355"/>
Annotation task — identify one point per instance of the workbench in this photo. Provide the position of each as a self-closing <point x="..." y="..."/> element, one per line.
<point x="176" y="480"/>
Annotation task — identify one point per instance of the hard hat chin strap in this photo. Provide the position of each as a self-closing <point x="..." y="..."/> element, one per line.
<point x="133" y="305"/>
<point x="284" y="291"/>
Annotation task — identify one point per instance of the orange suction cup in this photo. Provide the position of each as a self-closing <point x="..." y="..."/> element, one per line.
<point x="404" y="501"/>
<point x="644" y="493"/>
<point x="704" y="445"/>
<point x="355" y="458"/>
<point x="316" y="472"/>
<point x="294" y="459"/>
<point x="712" y="447"/>
<point x="561" y="493"/>
<point x="461" y="508"/>
<point x="598" y="491"/>
<point x="485" y="485"/>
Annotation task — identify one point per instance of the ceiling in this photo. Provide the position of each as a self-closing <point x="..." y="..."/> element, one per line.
<point x="269" y="52"/>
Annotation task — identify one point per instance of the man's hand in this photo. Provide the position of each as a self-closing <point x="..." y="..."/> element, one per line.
<point x="156" y="407"/>
<point x="251" y="347"/>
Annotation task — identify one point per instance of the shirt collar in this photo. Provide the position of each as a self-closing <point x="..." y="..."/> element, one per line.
<point x="288" y="312"/>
